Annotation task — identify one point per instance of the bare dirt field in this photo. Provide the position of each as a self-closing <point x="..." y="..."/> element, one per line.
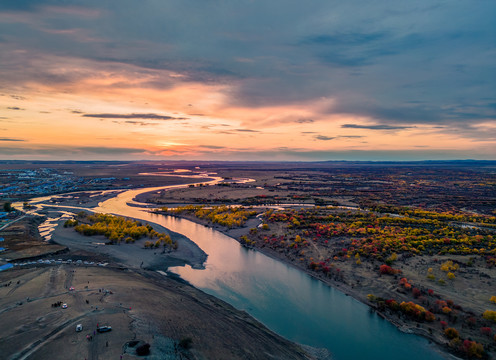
<point x="22" y="240"/>
<point x="140" y="306"/>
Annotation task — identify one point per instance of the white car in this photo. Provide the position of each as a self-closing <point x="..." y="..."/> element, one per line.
<point x="79" y="327"/>
<point x="64" y="306"/>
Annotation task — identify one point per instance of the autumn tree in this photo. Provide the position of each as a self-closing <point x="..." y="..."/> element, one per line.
<point x="451" y="333"/>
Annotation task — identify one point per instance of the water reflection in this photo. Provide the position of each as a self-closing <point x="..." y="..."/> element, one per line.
<point x="291" y="303"/>
<point x="286" y="300"/>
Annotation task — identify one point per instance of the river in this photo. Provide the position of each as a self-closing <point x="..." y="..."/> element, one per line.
<point x="286" y="300"/>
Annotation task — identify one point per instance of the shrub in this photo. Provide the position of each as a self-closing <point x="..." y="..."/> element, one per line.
<point x="489" y="315"/>
<point x="143" y="349"/>
<point x="413" y="310"/>
<point x="70" y="223"/>
<point x="486" y="331"/>
<point x="385" y="269"/>
<point x="416" y="292"/>
<point x="473" y="349"/>
<point x="7" y="207"/>
<point x="451" y="333"/>
<point x="471" y="321"/>
<point x="185" y="343"/>
<point x="148" y="244"/>
<point x="429" y="317"/>
<point x="388" y="270"/>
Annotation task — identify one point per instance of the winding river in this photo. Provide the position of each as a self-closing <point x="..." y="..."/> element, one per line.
<point x="286" y="300"/>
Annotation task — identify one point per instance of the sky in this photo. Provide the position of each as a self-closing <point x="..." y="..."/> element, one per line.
<point x="278" y="80"/>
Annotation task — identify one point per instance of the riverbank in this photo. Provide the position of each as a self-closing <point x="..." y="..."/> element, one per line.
<point x="120" y="206"/>
<point x="274" y="275"/>
<point x="355" y="291"/>
<point x="134" y="255"/>
<point x="119" y="285"/>
<point x="141" y="306"/>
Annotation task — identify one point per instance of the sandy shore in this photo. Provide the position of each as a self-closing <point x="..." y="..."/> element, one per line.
<point x="135" y="255"/>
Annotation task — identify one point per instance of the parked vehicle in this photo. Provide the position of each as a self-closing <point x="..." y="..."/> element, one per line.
<point x="105" y="328"/>
<point x="64" y="306"/>
<point x="79" y="327"/>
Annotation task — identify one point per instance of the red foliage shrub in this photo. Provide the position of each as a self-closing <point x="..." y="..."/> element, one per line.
<point x="385" y="269"/>
<point x="416" y="292"/>
<point x="471" y="321"/>
<point x="486" y="331"/>
<point x="441" y="303"/>
<point x="429" y="317"/>
<point x="473" y="349"/>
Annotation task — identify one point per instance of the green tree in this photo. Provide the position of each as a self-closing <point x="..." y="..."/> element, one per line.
<point x="7" y="207"/>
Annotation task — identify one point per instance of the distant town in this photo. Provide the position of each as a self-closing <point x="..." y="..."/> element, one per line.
<point x="45" y="181"/>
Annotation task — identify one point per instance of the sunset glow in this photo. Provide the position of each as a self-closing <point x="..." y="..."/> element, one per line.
<point x="247" y="81"/>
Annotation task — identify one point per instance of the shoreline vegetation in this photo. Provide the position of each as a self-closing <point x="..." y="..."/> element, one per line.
<point x="119" y="229"/>
<point x="450" y="278"/>
<point x="373" y="256"/>
<point x="129" y="241"/>
<point x="107" y="285"/>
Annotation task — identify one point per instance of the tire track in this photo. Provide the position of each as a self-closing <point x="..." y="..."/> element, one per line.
<point x="52" y="282"/>
<point x="68" y="278"/>
<point x="31" y="348"/>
